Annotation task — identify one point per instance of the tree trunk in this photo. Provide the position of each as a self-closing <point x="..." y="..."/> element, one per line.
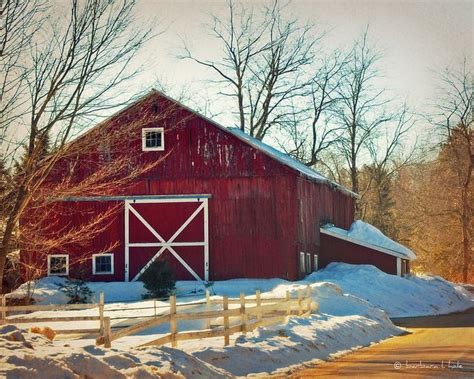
<point x="466" y="254"/>
<point x="241" y="107"/>
<point x="466" y="221"/>
<point x="10" y="228"/>
<point x="3" y="258"/>
<point x="355" y="183"/>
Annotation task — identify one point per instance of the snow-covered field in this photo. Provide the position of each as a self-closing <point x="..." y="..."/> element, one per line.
<point x="354" y="303"/>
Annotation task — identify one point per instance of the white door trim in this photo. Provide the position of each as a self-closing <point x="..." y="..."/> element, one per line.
<point x="163" y="244"/>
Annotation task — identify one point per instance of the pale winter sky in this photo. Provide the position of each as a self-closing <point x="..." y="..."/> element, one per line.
<point x="417" y="38"/>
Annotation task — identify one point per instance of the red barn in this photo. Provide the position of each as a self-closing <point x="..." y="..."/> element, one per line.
<point x="219" y="204"/>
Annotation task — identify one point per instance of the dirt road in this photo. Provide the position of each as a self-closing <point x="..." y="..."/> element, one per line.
<point x="440" y="346"/>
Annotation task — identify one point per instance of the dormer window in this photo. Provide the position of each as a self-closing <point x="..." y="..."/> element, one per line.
<point x="153" y="139"/>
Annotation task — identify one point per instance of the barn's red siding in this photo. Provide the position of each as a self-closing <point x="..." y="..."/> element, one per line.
<point x="261" y="212"/>
<point x="337" y="250"/>
<point x="317" y="205"/>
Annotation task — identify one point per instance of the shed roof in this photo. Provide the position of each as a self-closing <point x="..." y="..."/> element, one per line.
<point x="364" y="234"/>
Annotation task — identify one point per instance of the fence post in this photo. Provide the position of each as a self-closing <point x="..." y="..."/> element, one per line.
<point x="107" y="333"/>
<point x="173" y="321"/>
<point x="243" y="315"/>
<point x="208" y="307"/>
<point x="300" y="302"/>
<point x="288" y="304"/>
<point x="225" y="300"/>
<point x="259" y="303"/>
<point x="4" y="311"/>
<point x="101" y="312"/>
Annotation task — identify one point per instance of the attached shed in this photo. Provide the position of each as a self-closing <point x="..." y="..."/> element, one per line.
<point x="364" y="244"/>
<point x="218" y="205"/>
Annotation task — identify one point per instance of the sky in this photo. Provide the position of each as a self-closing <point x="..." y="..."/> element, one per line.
<point x="417" y="39"/>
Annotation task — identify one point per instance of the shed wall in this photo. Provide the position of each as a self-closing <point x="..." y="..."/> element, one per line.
<point x="337" y="250"/>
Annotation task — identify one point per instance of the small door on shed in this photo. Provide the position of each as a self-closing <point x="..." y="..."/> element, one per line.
<point x="173" y="229"/>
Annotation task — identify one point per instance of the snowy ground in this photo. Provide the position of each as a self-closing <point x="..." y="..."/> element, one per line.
<point x="354" y="302"/>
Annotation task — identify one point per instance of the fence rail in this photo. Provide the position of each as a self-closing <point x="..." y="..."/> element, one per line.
<point x="4" y="310"/>
<point x="274" y="310"/>
<point x="235" y="315"/>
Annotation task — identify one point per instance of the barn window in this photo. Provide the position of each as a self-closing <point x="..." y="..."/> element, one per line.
<point x="302" y="262"/>
<point x="58" y="265"/>
<point x="315" y="267"/>
<point x="102" y="264"/>
<point x="308" y="262"/>
<point x="153" y="139"/>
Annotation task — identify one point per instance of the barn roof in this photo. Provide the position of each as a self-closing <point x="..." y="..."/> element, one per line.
<point x="287" y="160"/>
<point x="268" y="150"/>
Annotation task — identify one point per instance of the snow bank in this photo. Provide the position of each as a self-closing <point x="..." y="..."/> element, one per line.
<point x="45" y="290"/>
<point x="343" y="323"/>
<point x="354" y="304"/>
<point x="398" y="296"/>
<point x="364" y="232"/>
<point x="27" y="355"/>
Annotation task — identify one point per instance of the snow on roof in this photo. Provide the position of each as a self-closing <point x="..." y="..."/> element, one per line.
<point x="365" y="234"/>
<point x="287" y="160"/>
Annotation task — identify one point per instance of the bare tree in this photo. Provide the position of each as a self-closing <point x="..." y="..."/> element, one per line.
<point x="362" y="109"/>
<point x="389" y="154"/>
<point x="20" y="20"/>
<point x="434" y="198"/>
<point x="309" y="129"/>
<point x="263" y="66"/>
<point x="456" y="124"/>
<point x="72" y="72"/>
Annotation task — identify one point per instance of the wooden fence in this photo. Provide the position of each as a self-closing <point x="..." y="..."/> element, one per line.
<point x="4" y="310"/>
<point x="236" y="315"/>
<point x="249" y="314"/>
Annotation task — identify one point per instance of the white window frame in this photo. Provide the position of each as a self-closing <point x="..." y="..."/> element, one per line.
<point x="315" y="262"/>
<point x="302" y="262"/>
<point x="159" y="148"/>
<point x="94" y="256"/>
<point x="58" y="256"/>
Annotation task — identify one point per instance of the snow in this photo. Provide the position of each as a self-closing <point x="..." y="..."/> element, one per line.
<point x="287" y="160"/>
<point x="28" y="355"/>
<point x="354" y="304"/>
<point x="366" y="233"/>
<point x="398" y="296"/>
<point x="343" y="323"/>
<point x="46" y="290"/>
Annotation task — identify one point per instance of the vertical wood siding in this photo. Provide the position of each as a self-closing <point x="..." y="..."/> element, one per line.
<point x="318" y="204"/>
<point x="261" y="213"/>
<point x="336" y="250"/>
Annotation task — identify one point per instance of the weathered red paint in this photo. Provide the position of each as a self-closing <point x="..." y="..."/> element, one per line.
<point x="334" y="249"/>
<point x="262" y="213"/>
